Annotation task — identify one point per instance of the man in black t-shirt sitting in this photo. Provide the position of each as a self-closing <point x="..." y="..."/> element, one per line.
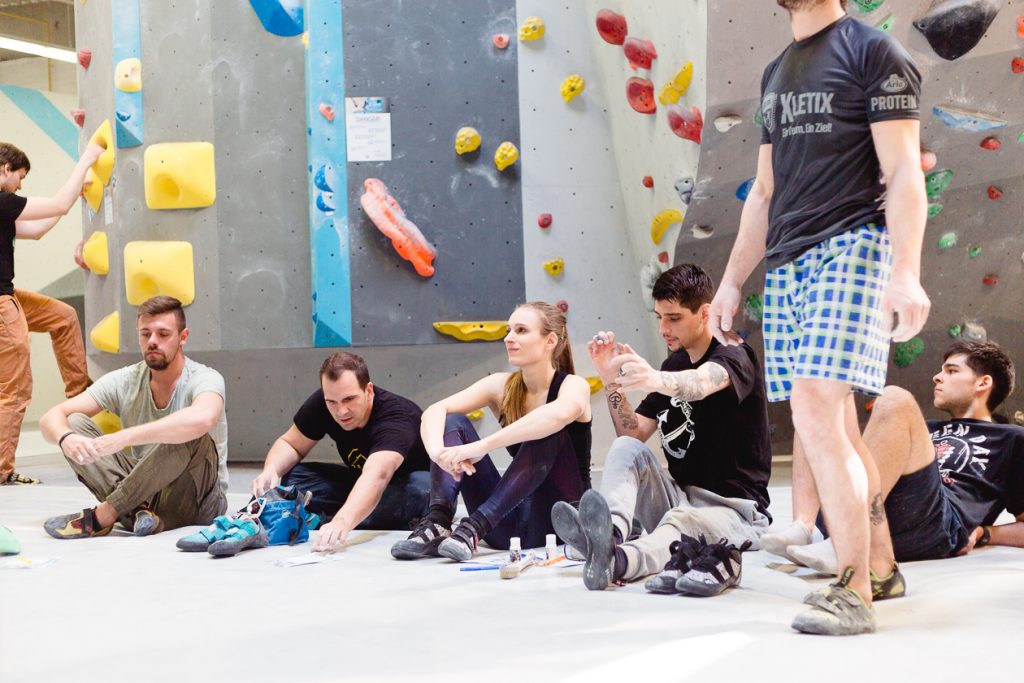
<point x="708" y="405"/>
<point x="944" y="481"/>
<point x="385" y="482"/>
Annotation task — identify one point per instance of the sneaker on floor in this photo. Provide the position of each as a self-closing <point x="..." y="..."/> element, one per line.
<point x="888" y="587"/>
<point x="422" y="542"/>
<point x="684" y="551"/>
<point x="243" y="534"/>
<point x="565" y="520"/>
<point x="147" y="523"/>
<point x="778" y="541"/>
<point x="837" y="611"/>
<point x="461" y="544"/>
<point x="718" y="567"/>
<point x="200" y="541"/>
<point x="17" y="479"/>
<point x="76" y="525"/>
<point x="596" y="521"/>
<point x="821" y="557"/>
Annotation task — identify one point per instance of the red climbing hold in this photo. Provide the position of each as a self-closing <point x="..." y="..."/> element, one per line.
<point x="991" y="143"/>
<point x="648" y="181"/>
<point x="994" y="193"/>
<point x="85" y="57"/>
<point x="611" y="26"/>
<point x="563" y="306"/>
<point x="78" y="115"/>
<point x="686" y="124"/>
<point x="870" y="405"/>
<point x="991" y="280"/>
<point x="928" y="160"/>
<point x="640" y="53"/>
<point x="640" y="93"/>
<point x="500" y="40"/>
<point x="544" y="220"/>
<point x="1017" y="65"/>
<point x="327" y="111"/>
<point x="663" y="257"/>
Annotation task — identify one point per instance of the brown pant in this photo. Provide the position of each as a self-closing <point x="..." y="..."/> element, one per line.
<point x="20" y="314"/>
<point x="176" y="481"/>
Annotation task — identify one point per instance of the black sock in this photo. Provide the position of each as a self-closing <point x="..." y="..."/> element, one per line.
<point x="441" y="515"/>
<point x="480" y="523"/>
<point x="620" y="563"/>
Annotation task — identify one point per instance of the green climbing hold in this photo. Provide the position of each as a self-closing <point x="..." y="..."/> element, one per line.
<point x="1020" y="138"/>
<point x="934" y="210"/>
<point x="753" y="307"/>
<point x="886" y="24"/>
<point x="907" y="352"/>
<point x="955" y="330"/>
<point x="868" y="5"/>
<point x="972" y="252"/>
<point x="758" y="118"/>
<point x="947" y="240"/>
<point x="936" y="182"/>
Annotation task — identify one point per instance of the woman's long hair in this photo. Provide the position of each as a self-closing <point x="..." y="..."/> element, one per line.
<point x="552" y="319"/>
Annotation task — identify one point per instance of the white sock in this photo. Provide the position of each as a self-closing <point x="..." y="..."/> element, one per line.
<point x="776" y="541"/>
<point x="821" y="557"/>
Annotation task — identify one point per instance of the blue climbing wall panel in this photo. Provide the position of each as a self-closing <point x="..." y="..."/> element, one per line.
<point x="127" y="44"/>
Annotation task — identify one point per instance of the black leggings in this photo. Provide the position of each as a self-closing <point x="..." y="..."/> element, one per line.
<point x="543" y="472"/>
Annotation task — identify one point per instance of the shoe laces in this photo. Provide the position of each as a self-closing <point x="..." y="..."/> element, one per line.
<point x="684" y="551"/>
<point x="713" y="554"/>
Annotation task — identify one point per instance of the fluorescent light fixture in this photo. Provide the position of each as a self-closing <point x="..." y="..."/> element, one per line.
<point x="38" y="49"/>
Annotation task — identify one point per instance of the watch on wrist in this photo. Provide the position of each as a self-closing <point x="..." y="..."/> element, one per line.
<point x="986" y="537"/>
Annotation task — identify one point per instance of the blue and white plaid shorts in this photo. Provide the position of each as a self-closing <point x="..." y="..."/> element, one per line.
<point x="823" y="314"/>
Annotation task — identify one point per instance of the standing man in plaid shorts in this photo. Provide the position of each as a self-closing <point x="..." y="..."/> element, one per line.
<point x="838" y="209"/>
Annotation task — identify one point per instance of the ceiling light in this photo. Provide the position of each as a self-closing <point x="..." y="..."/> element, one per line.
<point x="38" y="49"/>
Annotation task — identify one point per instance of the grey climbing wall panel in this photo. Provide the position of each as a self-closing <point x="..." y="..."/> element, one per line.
<point x="437" y="66"/>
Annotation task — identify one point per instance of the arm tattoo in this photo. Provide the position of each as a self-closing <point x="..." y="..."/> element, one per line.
<point x="877" y="510"/>
<point x="693" y="385"/>
<point x="622" y="413"/>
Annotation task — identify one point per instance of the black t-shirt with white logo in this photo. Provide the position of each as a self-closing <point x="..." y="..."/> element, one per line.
<point x="982" y="467"/>
<point x="720" y="443"/>
<point x="394" y="425"/>
<point x="818" y="101"/>
<point x="11" y="206"/>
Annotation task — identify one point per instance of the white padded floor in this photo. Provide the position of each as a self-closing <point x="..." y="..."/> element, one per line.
<point x="136" y="609"/>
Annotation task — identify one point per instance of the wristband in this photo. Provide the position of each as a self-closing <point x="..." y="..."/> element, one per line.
<point x="60" y="441"/>
<point x="986" y="537"/>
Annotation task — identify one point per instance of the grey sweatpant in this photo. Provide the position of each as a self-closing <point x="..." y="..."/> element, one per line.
<point x="639" y="490"/>
<point x="176" y="481"/>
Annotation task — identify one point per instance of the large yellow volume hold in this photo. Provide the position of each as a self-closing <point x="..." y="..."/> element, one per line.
<point x="107" y="422"/>
<point x="106" y="334"/>
<point x="104" y="166"/>
<point x="662" y="221"/>
<point x="95" y="253"/>
<point x="92" y="190"/>
<point x="179" y="175"/>
<point x="158" y="269"/>
<point x="476" y="330"/>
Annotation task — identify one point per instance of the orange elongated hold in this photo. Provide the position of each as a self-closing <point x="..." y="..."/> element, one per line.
<point x="390" y="219"/>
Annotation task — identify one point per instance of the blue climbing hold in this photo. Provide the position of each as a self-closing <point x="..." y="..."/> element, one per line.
<point x="964" y="119"/>
<point x="280" y="17"/>
<point x="743" y="191"/>
<point x="123" y="115"/>
<point x="324" y="178"/>
<point x="325" y="202"/>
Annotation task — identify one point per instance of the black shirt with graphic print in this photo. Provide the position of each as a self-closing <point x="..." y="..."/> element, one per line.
<point x="982" y="467"/>
<point x="818" y="101"/>
<point x="394" y="425"/>
<point x="11" y="206"/>
<point x="720" y="443"/>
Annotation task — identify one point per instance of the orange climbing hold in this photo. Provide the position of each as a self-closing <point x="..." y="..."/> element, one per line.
<point x="640" y="53"/>
<point x="994" y="193"/>
<point x="327" y="111"/>
<point x="928" y="160"/>
<point x="85" y="57"/>
<point x="991" y="143"/>
<point x="686" y="124"/>
<point x="1017" y="65"/>
<point x="612" y="27"/>
<point x="500" y="40"/>
<point x="390" y="219"/>
<point x="1020" y="27"/>
<point x="640" y="93"/>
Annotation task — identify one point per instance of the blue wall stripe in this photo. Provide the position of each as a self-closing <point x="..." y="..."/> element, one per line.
<point x="126" y="33"/>
<point x="44" y="114"/>
<point x="328" y="157"/>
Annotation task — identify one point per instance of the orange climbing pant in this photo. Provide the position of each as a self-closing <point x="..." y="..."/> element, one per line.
<point x="20" y="314"/>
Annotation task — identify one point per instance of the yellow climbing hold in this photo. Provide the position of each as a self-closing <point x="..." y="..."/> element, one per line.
<point x="531" y="29"/>
<point x="92" y="189"/>
<point x="305" y="39"/>
<point x="128" y="75"/>
<point x="506" y="155"/>
<point x="662" y="222"/>
<point x="572" y="86"/>
<point x="475" y="415"/>
<point x="104" y="166"/>
<point x="671" y="93"/>
<point x="95" y="253"/>
<point x="106" y="334"/>
<point x="179" y="175"/>
<point x="107" y="422"/>
<point x="159" y="268"/>
<point x="595" y="383"/>
<point x="474" y="330"/>
<point x="467" y="139"/>
<point x="554" y="267"/>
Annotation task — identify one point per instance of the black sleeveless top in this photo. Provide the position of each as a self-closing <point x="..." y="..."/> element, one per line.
<point x="579" y="433"/>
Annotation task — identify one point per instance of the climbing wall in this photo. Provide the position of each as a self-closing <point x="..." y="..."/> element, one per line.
<point x="972" y="265"/>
